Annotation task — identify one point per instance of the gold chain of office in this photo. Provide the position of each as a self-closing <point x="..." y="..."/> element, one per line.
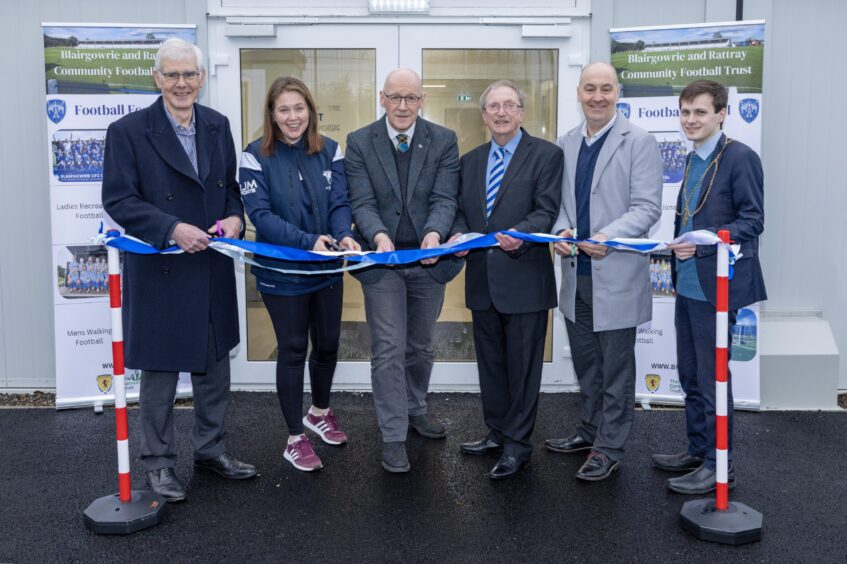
<point x="689" y="193"/>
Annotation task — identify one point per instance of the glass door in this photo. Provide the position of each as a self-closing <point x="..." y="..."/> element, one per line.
<point x="344" y="66"/>
<point x="457" y="62"/>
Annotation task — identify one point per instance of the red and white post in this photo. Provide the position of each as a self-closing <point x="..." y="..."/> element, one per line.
<point x="719" y="520"/>
<point x="130" y="510"/>
<point x="118" y="376"/>
<point x="722" y="374"/>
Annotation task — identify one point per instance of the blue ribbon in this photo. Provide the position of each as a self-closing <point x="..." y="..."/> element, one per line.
<point x="233" y="247"/>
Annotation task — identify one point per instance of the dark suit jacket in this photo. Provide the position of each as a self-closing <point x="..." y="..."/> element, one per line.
<point x="374" y="188"/>
<point x="528" y="201"/>
<point x="736" y="202"/>
<point x="148" y="186"/>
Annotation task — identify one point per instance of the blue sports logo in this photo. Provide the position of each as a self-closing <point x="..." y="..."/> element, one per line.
<point x="749" y="109"/>
<point x="624" y="108"/>
<point x="56" y="110"/>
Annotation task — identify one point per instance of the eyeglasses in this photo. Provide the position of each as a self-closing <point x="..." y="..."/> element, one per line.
<point x="190" y="77"/>
<point x="508" y="107"/>
<point x="411" y="99"/>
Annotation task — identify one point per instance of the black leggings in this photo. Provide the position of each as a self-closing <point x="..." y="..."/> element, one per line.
<point x="295" y="319"/>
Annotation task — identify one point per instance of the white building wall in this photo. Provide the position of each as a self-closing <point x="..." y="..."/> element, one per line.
<point x="26" y="296"/>
<point x="806" y="190"/>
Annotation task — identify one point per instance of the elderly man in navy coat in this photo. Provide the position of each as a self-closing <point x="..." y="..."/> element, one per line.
<point x="169" y="179"/>
<point x="723" y="188"/>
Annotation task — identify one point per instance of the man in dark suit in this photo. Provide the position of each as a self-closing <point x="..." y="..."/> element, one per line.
<point x="512" y="183"/>
<point x="723" y="188"/>
<point x="169" y="176"/>
<point x="403" y="174"/>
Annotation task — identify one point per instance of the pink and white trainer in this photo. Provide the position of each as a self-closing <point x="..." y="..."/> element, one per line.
<point x="302" y="456"/>
<point x="326" y="426"/>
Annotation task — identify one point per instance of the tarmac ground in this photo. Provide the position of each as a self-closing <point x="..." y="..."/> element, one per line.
<point x="791" y="466"/>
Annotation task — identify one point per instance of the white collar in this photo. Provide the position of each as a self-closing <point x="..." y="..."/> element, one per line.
<point x="707" y="147"/>
<point x="591" y="139"/>
<point x="393" y="133"/>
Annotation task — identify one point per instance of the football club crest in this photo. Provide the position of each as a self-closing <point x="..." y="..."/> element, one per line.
<point x="56" y="110"/>
<point x="749" y="109"/>
<point x="104" y="382"/>
<point x="623" y="108"/>
<point x="652" y="381"/>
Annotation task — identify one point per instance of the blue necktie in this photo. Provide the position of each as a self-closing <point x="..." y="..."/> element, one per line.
<point x="402" y="142"/>
<point x="495" y="177"/>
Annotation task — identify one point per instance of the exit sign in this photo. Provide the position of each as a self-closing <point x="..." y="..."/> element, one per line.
<point x="463" y="98"/>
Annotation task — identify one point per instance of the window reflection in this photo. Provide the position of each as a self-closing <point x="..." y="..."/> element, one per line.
<point x="343" y="83"/>
<point x="453" y="81"/>
<point x="345" y="87"/>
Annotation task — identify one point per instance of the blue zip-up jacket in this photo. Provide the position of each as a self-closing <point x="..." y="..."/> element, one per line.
<point x="272" y="191"/>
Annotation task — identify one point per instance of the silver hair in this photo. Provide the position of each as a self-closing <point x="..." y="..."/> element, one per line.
<point x="177" y="49"/>
<point x="498" y="84"/>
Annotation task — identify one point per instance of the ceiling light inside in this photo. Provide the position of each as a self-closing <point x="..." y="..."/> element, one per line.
<point x="398" y="6"/>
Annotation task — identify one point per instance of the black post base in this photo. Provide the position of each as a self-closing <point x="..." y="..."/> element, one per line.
<point x="108" y="516"/>
<point x="739" y="524"/>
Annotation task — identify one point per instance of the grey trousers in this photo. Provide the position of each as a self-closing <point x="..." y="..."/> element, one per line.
<point x="401" y="308"/>
<point x="211" y="399"/>
<point x="604" y="362"/>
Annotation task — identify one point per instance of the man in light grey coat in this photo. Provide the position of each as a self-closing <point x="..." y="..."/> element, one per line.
<point x="403" y="178"/>
<point x="612" y="188"/>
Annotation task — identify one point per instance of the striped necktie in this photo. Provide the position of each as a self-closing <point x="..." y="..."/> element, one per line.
<point x="495" y="177"/>
<point x="402" y="142"/>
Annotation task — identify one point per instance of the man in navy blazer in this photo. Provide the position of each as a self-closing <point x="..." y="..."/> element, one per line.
<point x="169" y="179"/>
<point x="723" y="189"/>
<point x="512" y="183"/>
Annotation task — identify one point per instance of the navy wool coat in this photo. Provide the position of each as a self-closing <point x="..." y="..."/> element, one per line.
<point x="171" y="302"/>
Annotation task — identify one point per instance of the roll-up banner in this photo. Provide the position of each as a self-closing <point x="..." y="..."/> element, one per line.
<point x="654" y="64"/>
<point x="94" y="75"/>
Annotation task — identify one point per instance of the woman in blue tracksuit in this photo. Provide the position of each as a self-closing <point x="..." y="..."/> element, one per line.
<point x="295" y="193"/>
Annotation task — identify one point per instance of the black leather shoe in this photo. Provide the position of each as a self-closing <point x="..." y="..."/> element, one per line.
<point x="507" y="467"/>
<point x="165" y="483"/>
<point x="227" y="466"/>
<point x="484" y="446"/>
<point x="597" y="467"/>
<point x="427" y="427"/>
<point x="574" y="443"/>
<point x="682" y="462"/>
<point x="700" y="481"/>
